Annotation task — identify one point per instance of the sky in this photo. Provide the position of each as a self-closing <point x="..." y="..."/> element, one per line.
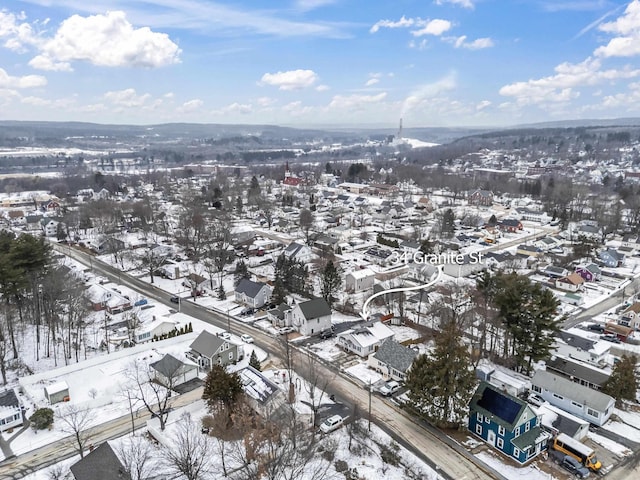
<point x="323" y="63"/>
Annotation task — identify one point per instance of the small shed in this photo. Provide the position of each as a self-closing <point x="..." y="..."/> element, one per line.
<point x="57" y="392"/>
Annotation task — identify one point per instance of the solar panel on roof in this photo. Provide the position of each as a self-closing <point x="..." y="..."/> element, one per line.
<point x="499" y="405"/>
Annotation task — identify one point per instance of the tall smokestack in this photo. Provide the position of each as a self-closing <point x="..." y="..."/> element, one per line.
<point x="399" y="136"/>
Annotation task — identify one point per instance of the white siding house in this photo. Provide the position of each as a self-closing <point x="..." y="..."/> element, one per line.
<point x="365" y="340"/>
<point x="359" y="280"/>
<point x="311" y="317"/>
<point x="583" y="402"/>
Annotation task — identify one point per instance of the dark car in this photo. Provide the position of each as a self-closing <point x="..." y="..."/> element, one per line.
<point x="610" y="338"/>
<point x="596" y="327"/>
<point x="574" y="466"/>
<point x="326" y="334"/>
<point x="174" y="299"/>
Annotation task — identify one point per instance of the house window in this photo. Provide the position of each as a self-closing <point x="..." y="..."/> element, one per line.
<point x="479" y="429"/>
<point x="501" y="430"/>
<point x="516" y="452"/>
<point x="536" y="389"/>
<point x="500" y="443"/>
<point x="230" y="355"/>
<point x="526" y="427"/>
<point x="559" y="397"/>
<point x="487" y="420"/>
<point x="576" y="404"/>
<point x="479" y="417"/>
<point x="593" y="413"/>
<point x="516" y="432"/>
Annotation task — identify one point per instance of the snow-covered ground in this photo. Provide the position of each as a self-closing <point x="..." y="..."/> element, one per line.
<point x="529" y="472"/>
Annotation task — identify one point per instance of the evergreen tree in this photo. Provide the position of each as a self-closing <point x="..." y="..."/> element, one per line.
<point x="330" y="282"/>
<point x="254" y="362"/>
<point x="221" y="294"/>
<point x="527" y="311"/>
<point x="254" y="188"/>
<point x="279" y="293"/>
<point x="222" y="390"/>
<point x="242" y="271"/>
<point x="442" y="382"/>
<point x="623" y="382"/>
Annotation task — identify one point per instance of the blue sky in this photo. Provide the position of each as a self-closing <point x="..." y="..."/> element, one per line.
<point x="319" y="62"/>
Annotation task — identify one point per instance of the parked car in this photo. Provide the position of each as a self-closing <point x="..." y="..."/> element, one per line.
<point x="174" y="299"/>
<point x="574" y="466"/>
<point x="225" y="335"/>
<point x="285" y="330"/>
<point x="328" y="333"/>
<point x="142" y="301"/>
<point x="332" y="423"/>
<point x="246" y="338"/>
<point x="535" y="399"/>
<point x="596" y="327"/>
<point x="389" y="388"/>
<point x="610" y="338"/>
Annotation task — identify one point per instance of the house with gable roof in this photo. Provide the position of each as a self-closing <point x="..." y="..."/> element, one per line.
<point x="392" y="360"/>
<point x="631" y="316"/>
<point x="252" y="294"/>
<point x="365" y="340"/>
<point x="589" y="271"/>
<point x="209" y="349"/>
<point x="299" y="252"/>
<point x="173" y="371"/>
<point x="11" y="411"/>
<point x="579" y="400"/>
<point x="481" y="198"/>
<point x="311" y="317"/>
<point x="506" y="423"/>
<point x="102" y="463"/>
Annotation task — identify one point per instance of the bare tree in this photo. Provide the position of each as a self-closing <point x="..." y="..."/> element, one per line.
<point x="306" y="223"/>
<point x="191" y="454"/>
<point x="75" y="421"/>
<point x="152" y="256"/>
<point x="154" y="391"/>
<point x="136" y="455"/>
<point x="315" y="383"/>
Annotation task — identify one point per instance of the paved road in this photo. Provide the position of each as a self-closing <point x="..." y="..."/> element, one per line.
<point x="430" y="444"/>
<point x="42" y="457"/>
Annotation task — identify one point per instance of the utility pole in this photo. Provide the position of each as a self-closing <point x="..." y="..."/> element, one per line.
<point x="369" y="404"/>
<point x="228" y="321"/>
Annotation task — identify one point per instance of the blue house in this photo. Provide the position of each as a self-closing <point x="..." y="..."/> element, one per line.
<point x="506" y="423"/>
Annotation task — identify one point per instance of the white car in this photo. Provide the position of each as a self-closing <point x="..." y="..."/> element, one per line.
<point x="332" y="423"/>
<point x="246" y="338"/>
<point x="225" y="335"/>
<point x="389" y="388"/>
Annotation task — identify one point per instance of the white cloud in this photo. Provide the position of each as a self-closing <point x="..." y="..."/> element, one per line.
<point x="127" y="98"/>
<point x="17" y="33"/>
<point x="371" y="82"/>
<point x="627" y="26"/>
<point x="462" y="3"/>
<point x="322" y="88"/>
<point x="477" y="44"/>
<point x="40" y="62"/>
<point x="402" y="23"/>
<point x="483" y="104"/>
<point x="191" y="106"/>
<point x="290" y="80"/>
<point x="110" y="41"/>
<point x="559" y="87"/>
<point x="432" y="27"/>
<point x="423" y="27"/>
<point x="630" y="99"/>
<point x="27" y="81"/>
<point x="356" y="101"/>
<point x="265" y="101"/>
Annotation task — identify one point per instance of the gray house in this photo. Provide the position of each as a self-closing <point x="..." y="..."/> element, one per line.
<point x="209" y="349"/>
<point x="100" y="464"/>
<point x="252" y="294"/>
<point x="392" y="359"/>
<point x="171" y="371"/>
<point x="583" y="402"/>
